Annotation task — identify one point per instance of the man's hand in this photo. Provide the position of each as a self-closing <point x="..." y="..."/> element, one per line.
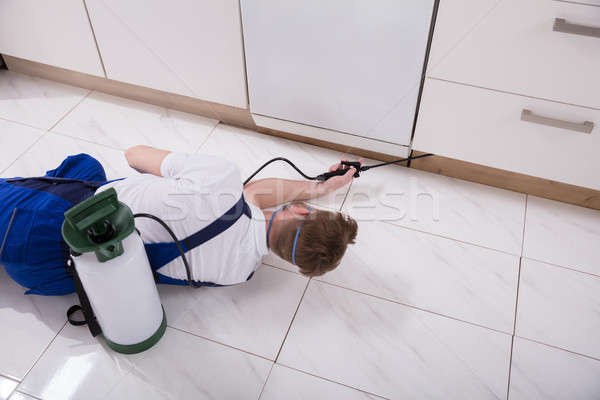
<point x="336" y="182"/>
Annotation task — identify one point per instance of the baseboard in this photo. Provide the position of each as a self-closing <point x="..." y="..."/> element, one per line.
<point x="241" y="117"/>
<point x="540" y="187"/>
<point x="227" y="114"/>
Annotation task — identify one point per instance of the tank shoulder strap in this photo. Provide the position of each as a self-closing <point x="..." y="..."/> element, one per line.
<point x="85" y="307"/>
<point x="160" y="254"/>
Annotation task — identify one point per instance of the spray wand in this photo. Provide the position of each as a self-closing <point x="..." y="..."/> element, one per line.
<point x="325" y="176"/>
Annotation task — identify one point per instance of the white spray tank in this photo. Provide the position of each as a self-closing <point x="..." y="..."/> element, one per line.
<point x="113" y="267"/>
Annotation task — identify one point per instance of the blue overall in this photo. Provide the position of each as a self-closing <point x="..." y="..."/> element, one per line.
<point x="32" y="249"/>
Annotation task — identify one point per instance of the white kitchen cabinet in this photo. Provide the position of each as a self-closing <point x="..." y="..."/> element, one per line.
<point x="513" y="46"/>
<point x="188" y="47"/>
<point x="54" y="32"/>
<point x="351" y="66"/>
<point x="487" y="127"/>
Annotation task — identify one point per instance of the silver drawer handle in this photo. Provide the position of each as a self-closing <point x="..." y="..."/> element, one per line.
<point x="529" y="116"/>
<point x="561" y="25"/>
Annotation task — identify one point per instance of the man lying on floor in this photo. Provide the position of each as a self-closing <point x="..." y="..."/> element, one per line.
<point x="188" y="192"/>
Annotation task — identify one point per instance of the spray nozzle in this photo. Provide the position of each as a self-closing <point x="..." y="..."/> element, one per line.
<point x="349" y="164"/>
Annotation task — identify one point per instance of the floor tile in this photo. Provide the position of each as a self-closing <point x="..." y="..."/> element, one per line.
<point x="562" y="234"/>
<point x="28" y="325"/>
<point x="180" y="366"/>
<point x="122" y="123"/>
<point x="249" y="150"/>
<point x="253" y="316"/>
<point x="456" y="279"/>
<point x="286" y="383"/>
<point x="7" y="386"/>
<point x="51" y="149"/>
<point x="394" y="351"/>
<point x="14" y="140"/>
<point x="544" y="373"/>
<point x="559" y="307"/>
<point x="449" y="207"/>
<point x="274" y="260"/>
<point x="35" y="101"/>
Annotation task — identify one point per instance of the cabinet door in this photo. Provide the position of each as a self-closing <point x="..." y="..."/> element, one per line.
<point x="348" y="65"/>
<point x="54" y="32"/>
<point x="188" y="47"/>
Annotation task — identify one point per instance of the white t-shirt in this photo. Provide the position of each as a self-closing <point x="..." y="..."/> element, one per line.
<point x="193" y="191"/>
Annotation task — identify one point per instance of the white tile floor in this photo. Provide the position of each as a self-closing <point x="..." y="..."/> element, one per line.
<point x="454" y="290"/>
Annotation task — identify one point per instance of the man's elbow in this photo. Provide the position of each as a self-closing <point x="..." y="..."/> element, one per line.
<point x="132" y="153"/>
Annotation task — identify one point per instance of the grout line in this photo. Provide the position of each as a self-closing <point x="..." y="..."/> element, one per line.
<point x="293" y="319"/>
<point x="70" y="111"/>
<point x="95" y="40"/>
<point x="514" y="94"/>
<point x="44" y="132"/>
<point x="23" y="123"/>
<point x="207" y="137"/>
<point x="25" y="393"/>
<point x="514" y="328"/>
<point x="9" y="377"/>
<point x="563" y="267"/>
<point x="512" y="344"/>
<point x="70" y="136"/>
<point x="219" y="343"/>
<point x="25" y="151"/>
<point x="524" y="225"/>
<point x="514" y="331"/>
<point x="266" y="380"/>
<point x="332" y="381"/>
<point x="558" y="348"/>
<point x="346" y="196"/>
<point x="444" y="237"/>
<point x="282" y="269"/>
<point x="578" y="2"/>
<point x="413" y="307"/>
<point x="42" y="353"/>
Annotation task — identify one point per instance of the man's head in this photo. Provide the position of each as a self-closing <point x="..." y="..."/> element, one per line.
<point x="321" y="242"/>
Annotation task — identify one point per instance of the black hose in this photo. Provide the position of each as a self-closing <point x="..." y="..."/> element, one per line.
<point x="188" y="270"/>
<point x="310" y="178"/>
<point x="313" y="178"/>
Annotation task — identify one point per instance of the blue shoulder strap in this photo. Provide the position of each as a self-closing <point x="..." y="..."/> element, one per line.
<point x="160" y="254"/>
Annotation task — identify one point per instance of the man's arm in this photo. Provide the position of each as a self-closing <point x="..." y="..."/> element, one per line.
<point x="146" y="159"/>
<point x="271" y="192"/>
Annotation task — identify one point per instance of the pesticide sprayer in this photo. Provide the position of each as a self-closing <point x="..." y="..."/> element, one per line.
<point x="112" y="274"/>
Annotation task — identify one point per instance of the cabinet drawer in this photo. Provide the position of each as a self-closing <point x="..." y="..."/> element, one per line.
<point x="486" y="127"/>
<point x="518" y="46"/>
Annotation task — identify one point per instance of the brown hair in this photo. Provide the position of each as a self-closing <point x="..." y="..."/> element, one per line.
<point x="324" y="236"/>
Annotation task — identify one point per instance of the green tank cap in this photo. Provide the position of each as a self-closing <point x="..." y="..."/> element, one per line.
<point x="98" y="224"/>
